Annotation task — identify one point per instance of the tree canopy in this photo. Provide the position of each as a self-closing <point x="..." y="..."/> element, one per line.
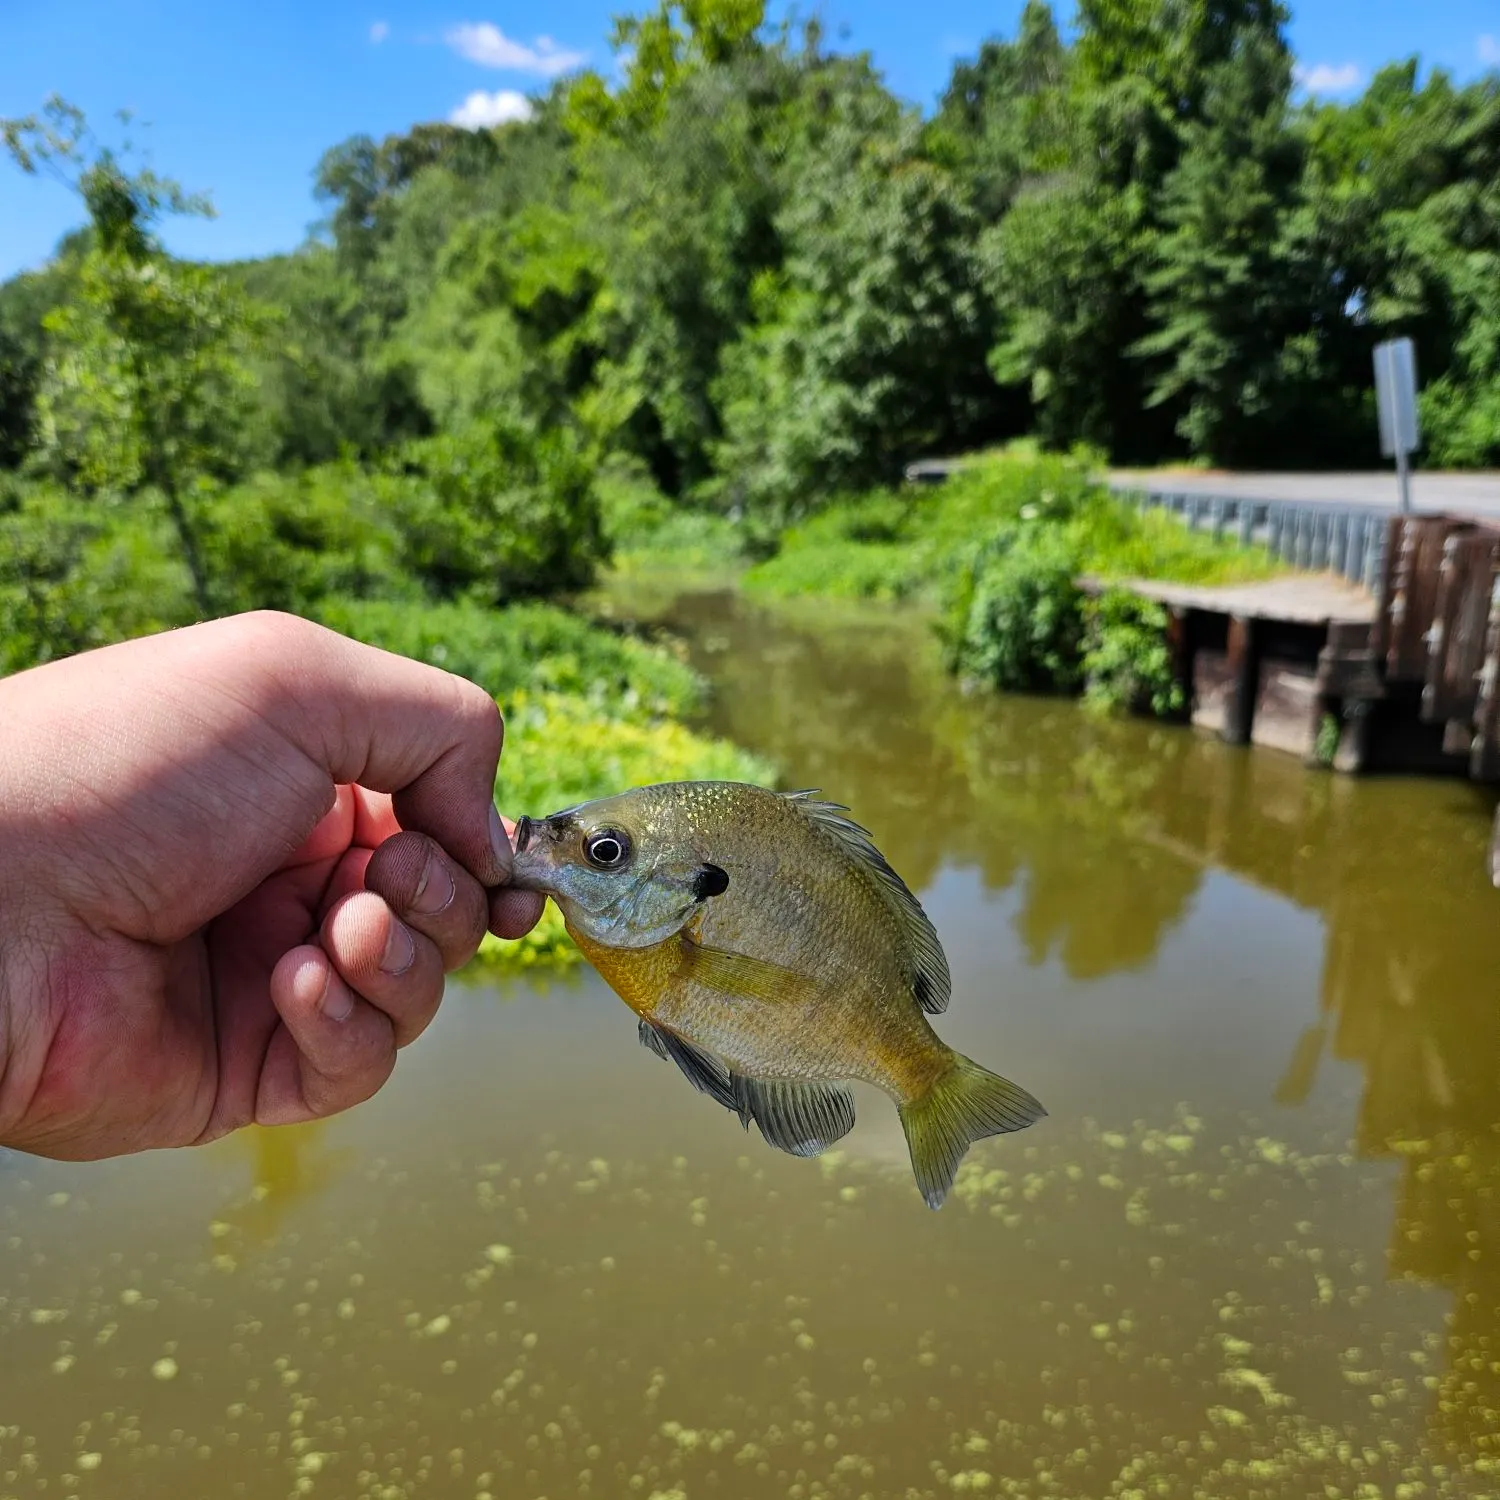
<point x="737" y="261"/>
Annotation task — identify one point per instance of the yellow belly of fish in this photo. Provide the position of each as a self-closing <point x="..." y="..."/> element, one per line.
<point x="903" y="1065"/>
<point x="639" y="976"/>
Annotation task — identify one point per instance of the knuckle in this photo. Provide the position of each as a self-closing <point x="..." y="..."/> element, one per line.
<point x="274" y="628"/>
<point x="480" y="715"/>
<point x="350" y="1080"/>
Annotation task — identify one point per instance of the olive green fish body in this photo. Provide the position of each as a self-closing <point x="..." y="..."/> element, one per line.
<point x="773" y="954"/>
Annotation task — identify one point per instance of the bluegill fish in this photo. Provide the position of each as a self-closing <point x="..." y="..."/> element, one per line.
<point x="772" y="953"/>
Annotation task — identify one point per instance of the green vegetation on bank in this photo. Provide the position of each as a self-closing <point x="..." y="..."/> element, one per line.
<point x="998" y="552"/>
<point x="127" y="515"/>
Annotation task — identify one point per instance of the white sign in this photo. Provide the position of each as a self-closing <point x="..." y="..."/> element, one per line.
<point x="1396" y="397"/>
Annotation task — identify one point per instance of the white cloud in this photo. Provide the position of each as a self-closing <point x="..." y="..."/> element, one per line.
<point x="480" y="109"/>
<point x="379" y="32"/>
<point x="484" y="43"/>
<point x="1324" y="78"/>
<point x="1489" y="51"/>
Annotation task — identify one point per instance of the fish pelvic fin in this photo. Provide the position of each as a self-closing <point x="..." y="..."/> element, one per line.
<point x="965" y="1105"/>
<point x="702" y="1069"/>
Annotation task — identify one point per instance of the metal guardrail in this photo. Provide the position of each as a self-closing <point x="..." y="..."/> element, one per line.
<point x="1342" y="539"/>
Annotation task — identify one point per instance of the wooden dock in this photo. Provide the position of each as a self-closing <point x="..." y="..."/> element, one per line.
<point x="1406" y="677"/>
<point x="1248" y="657"/>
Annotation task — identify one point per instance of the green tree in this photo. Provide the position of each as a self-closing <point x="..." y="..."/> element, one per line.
<point x="145" y="377"/>
<point x="868" y="341"/>
<point x="1068" y="264"/>
<point x="25" y="302"/>
<point x="1003" y="117"/>
<point x="1218" y="297"/>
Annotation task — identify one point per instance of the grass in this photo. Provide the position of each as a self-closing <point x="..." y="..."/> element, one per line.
<point x="908" y="546"/>
<point x="861" y="548"/>
<point x="650" y="534"/>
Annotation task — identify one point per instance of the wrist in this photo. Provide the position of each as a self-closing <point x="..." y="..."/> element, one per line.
<point x="25" y="970"/>
<point x="29" y="985"/>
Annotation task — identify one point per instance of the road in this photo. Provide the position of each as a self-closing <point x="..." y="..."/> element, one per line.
<point x="1460" y="494"/>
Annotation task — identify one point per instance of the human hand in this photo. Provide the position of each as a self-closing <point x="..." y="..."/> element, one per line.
<point x="209" y="911"/>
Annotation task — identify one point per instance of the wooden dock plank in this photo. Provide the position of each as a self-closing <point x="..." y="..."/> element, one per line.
<point x="1305" y="599"/>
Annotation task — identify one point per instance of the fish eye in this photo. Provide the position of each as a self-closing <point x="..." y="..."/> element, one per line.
<point x="607" y="849"/>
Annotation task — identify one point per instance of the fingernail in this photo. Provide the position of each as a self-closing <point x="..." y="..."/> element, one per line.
<point x="400" y="951"/>
<point x="500" y="843"/>
<point x="334" y="1000"/>
<point x="436" y="890"/>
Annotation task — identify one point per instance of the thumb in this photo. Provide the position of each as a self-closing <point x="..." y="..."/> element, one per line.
<point x="367" y="716"/>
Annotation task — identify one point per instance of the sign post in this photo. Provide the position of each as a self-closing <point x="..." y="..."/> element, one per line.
<point x="1396" y="400"/>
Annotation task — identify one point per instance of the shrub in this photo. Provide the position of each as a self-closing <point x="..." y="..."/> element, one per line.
<point x="527" y="648"/>
<point x="1015" y="619"/>
<point x="1127" y="664"/>
<point x="501" y="511"/>
<point x="281" y="541"/>
<point x="77" y="573"/>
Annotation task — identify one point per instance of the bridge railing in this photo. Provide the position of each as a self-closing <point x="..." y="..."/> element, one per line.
<point x="1343" y="539"/>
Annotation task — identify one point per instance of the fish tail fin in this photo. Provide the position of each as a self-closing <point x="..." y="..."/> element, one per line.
<point x="965" y="1105"/>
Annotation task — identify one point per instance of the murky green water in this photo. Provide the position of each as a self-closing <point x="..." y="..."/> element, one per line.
<point x="1254" y="1252"/>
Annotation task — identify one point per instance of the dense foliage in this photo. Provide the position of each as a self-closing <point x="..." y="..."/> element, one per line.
<point x="999" y="552"/>
<point x="739" y="262"/>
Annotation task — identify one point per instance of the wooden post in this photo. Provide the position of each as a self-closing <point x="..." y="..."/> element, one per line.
<point x="1239" y="702"/>
<point x="1180" y="648"/>
<point x="1354" y="737"/>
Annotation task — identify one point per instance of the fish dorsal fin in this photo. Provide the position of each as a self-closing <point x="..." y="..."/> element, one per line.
<point x="926" y="964"/>
<point x="701" y="1069"/>
<point x="802" y="1119"/>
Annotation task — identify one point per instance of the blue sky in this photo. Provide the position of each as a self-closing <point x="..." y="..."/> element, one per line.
<point x="241" y="99"/>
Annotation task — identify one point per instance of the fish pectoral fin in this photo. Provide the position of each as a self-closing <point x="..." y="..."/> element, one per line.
<point x="740" y="974"/>
<point x="800" y="1118"/>
<point x="701" y="1069"/>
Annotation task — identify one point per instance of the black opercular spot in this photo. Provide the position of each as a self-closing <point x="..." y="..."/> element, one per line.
<point x="709" y="881"/>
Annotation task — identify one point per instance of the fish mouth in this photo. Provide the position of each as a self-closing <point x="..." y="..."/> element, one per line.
<point x="532" y="865"/>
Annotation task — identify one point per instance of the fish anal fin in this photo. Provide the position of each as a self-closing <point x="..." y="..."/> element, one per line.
<point x="925" y="962"/>
<point x="965" y="1105"/>
<point x="701" y="1069"/>
<point x="740" y="974"/>
<point x="800" y="1118"/>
